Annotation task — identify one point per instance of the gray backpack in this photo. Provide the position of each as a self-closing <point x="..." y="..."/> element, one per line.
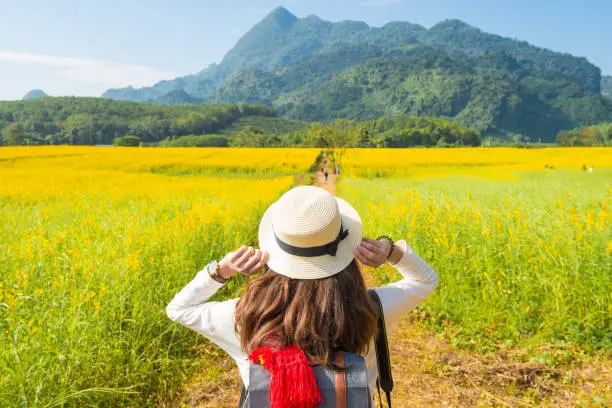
<point x="347" y="389"/>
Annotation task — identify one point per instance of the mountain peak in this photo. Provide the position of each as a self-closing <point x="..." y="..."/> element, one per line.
<point x="34" y="94"/>
<point x="281" y="15"/>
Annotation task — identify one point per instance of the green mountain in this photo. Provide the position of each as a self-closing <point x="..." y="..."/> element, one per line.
<point x="277" y="40"/>
<point x="133" y="94"/>
<point x="34" y="94"/>
<point x="314" y="70"/>
<point x="491" y="93"/>
<point x="177" y="97"/>
<point x="455" y="36"/>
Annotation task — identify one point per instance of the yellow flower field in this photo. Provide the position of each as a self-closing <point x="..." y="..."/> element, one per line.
<point x="95" y="242"/>
<point x="497" y="163"/>
<point x="523" y="250"/>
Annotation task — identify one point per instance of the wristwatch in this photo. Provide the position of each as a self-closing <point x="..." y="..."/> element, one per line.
<point x="214" y="271"/>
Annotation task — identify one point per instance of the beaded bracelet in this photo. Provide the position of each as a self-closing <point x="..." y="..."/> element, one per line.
<point x="387" y="238"/>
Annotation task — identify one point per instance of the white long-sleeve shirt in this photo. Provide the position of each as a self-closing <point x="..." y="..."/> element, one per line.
<point x="215" y="320"/>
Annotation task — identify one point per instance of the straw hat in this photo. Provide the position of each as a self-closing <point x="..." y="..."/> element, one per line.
<point x="309" y="233"/>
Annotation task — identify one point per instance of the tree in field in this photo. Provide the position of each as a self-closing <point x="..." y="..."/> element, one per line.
<point x="14" y="134"/>
<point x="335" y="137"/>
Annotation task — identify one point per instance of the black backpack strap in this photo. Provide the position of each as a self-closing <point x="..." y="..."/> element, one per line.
<point x="243" y="397"/>
<point x="385" y="378"/>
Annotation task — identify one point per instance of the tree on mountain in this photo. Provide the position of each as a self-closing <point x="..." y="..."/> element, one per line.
<point x="14" y="134"/>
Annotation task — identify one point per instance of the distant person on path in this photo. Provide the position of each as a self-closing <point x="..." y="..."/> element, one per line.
<point x="310" y="304"/>
<point x="326" y="174"/>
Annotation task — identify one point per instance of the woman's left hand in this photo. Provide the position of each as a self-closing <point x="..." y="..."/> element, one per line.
<point x="372" y="253"/>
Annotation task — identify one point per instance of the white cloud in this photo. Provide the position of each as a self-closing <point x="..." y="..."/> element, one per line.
<point x="107" y="73"/>
<point x="378" y="3"/>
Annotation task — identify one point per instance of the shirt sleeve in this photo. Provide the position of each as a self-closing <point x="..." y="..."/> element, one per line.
<point x="213" y="320"/>
<point x="419" y="281"/>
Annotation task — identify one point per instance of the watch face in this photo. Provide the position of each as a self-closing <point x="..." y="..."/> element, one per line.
<point x="211" y="267"/>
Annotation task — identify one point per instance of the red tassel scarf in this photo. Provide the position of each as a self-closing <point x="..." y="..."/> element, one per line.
<point x="293" y="383"/>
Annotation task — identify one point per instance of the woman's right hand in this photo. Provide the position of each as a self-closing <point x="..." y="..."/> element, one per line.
<point x="245" y="260"/>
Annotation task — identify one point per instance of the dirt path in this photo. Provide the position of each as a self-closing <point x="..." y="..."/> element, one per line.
<point x="318" y="179"/>
<point x="430" y="372"/>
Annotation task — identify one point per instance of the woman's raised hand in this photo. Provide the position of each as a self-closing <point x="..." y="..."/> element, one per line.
<point x="245" y="260"/>
<point x="372" y="252"/>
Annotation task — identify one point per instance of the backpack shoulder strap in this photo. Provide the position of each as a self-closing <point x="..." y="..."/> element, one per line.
<point x="340" y="380"/>
<point x="243" y="397"/>
<point x="385" y="378"/>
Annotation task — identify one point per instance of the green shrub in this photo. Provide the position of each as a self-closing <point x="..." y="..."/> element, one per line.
<point x="196" y="141"/>
<point x="127" y="141"/>
<point x="597" y="135"/>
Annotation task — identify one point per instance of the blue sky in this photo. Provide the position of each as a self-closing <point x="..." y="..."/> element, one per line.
<point x="82" y="47"/>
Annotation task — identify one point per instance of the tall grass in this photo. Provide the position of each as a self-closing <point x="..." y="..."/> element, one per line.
<point x="92" y="252"/>
<point x="521" y="262"/>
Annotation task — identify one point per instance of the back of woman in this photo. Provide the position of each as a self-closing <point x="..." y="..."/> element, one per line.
<point x="311" y="299"/>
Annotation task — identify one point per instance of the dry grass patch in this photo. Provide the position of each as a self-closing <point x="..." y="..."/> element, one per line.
<point x="429" y="372"/>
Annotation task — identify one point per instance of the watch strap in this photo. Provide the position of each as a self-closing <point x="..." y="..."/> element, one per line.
<point x="214" y="271"/>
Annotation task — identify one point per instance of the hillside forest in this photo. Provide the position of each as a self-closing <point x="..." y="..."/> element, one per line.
<point x="94" y="121"/>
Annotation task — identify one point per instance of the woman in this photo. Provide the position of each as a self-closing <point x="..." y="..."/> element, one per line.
<point x="312" y="295"/>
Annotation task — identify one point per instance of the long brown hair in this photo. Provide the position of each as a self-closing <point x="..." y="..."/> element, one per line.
<point x="319" y="316"/>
